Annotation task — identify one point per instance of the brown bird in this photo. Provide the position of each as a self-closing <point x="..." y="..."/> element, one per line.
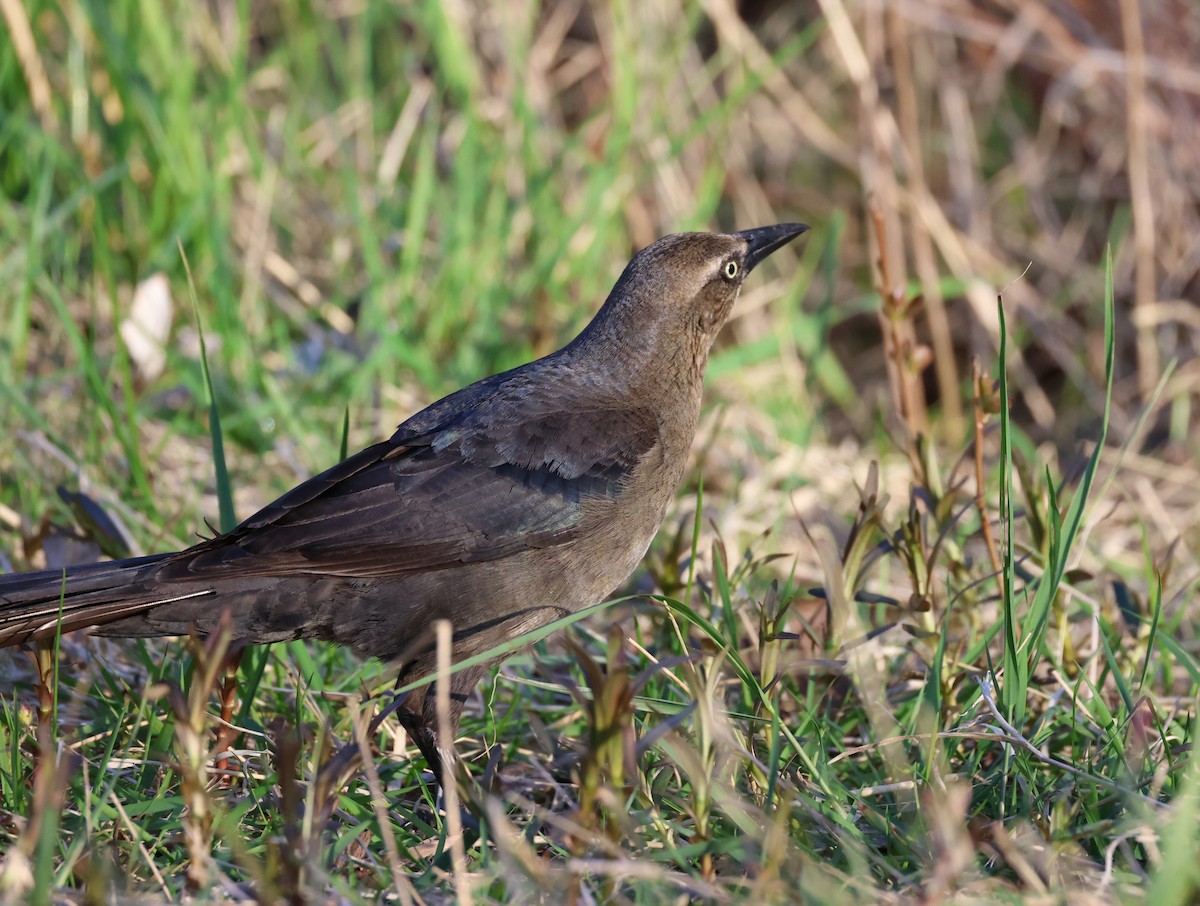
<point x="515" y="501"/>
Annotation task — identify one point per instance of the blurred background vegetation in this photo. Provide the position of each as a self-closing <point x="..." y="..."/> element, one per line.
<point x="361" y="206"/>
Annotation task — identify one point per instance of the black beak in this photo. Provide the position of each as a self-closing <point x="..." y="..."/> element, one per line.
<point x="761" y="241"/>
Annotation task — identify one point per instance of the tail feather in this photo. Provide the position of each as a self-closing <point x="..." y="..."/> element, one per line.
<point x="41" y="604"/>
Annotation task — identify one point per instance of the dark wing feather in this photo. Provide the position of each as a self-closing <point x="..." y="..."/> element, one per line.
<point x="475" y="489"/>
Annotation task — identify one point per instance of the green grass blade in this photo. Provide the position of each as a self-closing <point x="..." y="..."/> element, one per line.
<point x="228" y="521"/>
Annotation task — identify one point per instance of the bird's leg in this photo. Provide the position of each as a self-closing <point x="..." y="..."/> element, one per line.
<point x="421" y="732"/>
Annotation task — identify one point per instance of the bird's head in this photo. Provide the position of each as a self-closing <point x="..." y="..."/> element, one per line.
<point x="676" y="294"/>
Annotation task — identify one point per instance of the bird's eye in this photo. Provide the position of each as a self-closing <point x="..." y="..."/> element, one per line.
<point x="730" y="270"/>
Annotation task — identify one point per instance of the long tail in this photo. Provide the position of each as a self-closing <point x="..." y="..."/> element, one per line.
<point x="39" y="605"/>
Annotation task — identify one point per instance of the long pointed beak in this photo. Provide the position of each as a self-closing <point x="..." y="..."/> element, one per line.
<point x="762" y="241"/>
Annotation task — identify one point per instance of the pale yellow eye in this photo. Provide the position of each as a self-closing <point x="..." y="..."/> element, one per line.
<point x="730" y="270"/>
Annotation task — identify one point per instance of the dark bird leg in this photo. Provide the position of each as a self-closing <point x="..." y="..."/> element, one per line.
<point x="342" y="764"/>
<point x="417" y="712"/>
<point x="421" y="732"/>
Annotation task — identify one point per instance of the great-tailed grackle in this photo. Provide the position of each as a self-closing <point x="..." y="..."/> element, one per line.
<point x="512" y="502"/>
